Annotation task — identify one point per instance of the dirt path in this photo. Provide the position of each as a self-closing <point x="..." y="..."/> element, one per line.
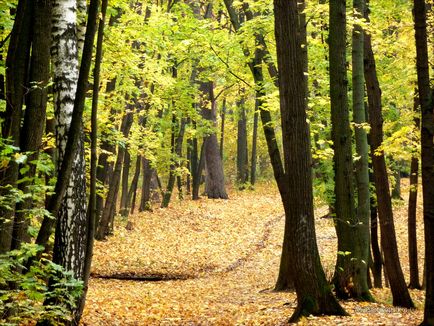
<point x="230" y="252"/>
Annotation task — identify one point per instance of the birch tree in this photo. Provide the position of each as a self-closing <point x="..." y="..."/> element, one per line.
<point x="69" y="248"/>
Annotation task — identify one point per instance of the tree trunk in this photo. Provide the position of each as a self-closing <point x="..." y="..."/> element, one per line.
<point x="197" y="167"/>
<point x="214" y="165"/>
<point x="377" y="262"/>
<point x="131" y="198"/>
<point x="124" y="189"/>
<point x="396" y="189"/>
<point x="222" y="130"/>
<point x="33" y="126"/>
<point x="412" y="230"/>
<point x="145" y="202"/>
<point x="176" y="151"/>
<point x="17" y="61"/>
<point x="110" y="203"/>
<point x="351" y="267"/>
<point x="401" y="297"/>
<point x="70" y="243"/>
<point x="314" y="295"/>
<point x="363" y="213"/>
<point x="412" y="207"/>
<point x="254" y="144"/>
<point x="427" y="153"/>
<point x="92" y="212"/>
<point x="242" y="152"/>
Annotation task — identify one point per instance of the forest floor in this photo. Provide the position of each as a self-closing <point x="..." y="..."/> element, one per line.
<point x="214" y="262"/>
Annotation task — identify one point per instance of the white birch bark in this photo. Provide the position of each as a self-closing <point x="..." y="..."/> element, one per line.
<point x="81" y="25"/>
<point x="70" y="237"/>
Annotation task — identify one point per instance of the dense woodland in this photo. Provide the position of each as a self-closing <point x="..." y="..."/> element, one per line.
<point x="112" y="112"/>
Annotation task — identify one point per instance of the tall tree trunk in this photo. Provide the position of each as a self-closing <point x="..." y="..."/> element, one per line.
<point x="222" y="130"/>
<point x="214" y="166"/>
<point x="124" y="189"/>
<point x="412" y="229"/>
<point x="70" y="243"/>
<point x="350" y="274"/>
<point x="104" y="170"/>
<point x="314" y="296"/>
<point x="412" y="211"/>
<point x="377" y="261"/>
<point x="242" y="151"/>
<point x="92" y="212"/>
<point x="33" y="129"/>
<point x="427" y="153"/>
<point x="176" y="151"/>
<point x="396" y="188"/>
<point x="254" y="144"/>
<point x="188" y="154"/>
<point x="131" y="197"/>
<point x="197" y="167"/>
<point x="110" y="203"/>
<point x="145" y="202"/>
<point x="401" y="297"/>
<point x="363" y="213"/>
<point x="17" y="61"/>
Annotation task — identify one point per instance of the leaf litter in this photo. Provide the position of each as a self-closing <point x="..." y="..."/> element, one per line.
<point x="227" y="254"/>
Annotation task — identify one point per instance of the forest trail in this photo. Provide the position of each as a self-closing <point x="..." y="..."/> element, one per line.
<point x="226" y="254"/>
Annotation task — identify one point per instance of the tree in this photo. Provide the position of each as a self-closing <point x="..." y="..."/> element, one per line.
<point x="36" y="103"/>
<point x="427" y="152"/>
<point x="215" y="181"/>
<point x="350" y="278"/>
<point x="314" y="296"/>
<point x="362" y="151"/>
<point x="412" y="205"/>
<point x="69" y="247"/>
<point x="401" y="296"/>
<point x="242" y="151"/>
<point x="17" y="61"/>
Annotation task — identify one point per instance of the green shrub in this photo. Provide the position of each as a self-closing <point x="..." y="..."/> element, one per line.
<point x="25" y="294"/>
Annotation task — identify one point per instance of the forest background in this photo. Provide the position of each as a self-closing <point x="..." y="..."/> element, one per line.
<point x="157" y="99"/>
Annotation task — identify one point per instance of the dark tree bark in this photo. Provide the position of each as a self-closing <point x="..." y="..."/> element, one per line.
<point x="396" y="189"/>
<point x="412" y="206"/>
<point x="36" y="103"/>
<point x="104" y="169"/>
<point x="92" y="212"/>
<point x="254" y="144"/>
<point x="197" y="166"/>
<point x="377" y="261"/>
<point x="188" y="156"/>
<point x="176" y="151"/>
<point x="242" y="151"/>
<point x="361" y="165"/>
<point x="222" y="130"/>
<point x="314" y="296"/>
<point x="427" y="152"/>
<point x="131" y="197"/>
<point x="401" y="296"/>
<point x="351" y="269"/>
<point x="124" y="186"/>
<point x="148" y="171"/>
<point x="215" y="178"/>
<point x="110" y="203"/>
<point x="17" y="61"/>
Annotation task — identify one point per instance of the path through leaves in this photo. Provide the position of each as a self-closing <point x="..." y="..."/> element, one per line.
<point x="227" y="256"/>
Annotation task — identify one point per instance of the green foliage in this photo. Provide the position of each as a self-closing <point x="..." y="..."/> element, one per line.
<point x="23" y="291"/>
